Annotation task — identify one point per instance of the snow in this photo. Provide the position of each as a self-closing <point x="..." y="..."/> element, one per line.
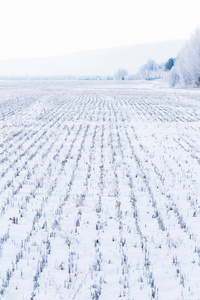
<point x="99" y="190"/>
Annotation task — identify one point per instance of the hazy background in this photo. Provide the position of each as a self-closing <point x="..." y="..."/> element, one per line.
<point x="117" y="33"/>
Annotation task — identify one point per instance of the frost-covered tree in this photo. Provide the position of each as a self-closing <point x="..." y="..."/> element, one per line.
<point x="149" y="71"/>
<point x="121" y="74"/>
<point x="186" y="70"/>
<point x="173" y="77"/>
<point x="169" y="64"/>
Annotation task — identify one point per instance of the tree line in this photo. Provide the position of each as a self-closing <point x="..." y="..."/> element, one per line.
<point x="184" y="70"/>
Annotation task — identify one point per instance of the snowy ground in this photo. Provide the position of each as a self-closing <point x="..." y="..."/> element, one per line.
<point x="99" y="191"/>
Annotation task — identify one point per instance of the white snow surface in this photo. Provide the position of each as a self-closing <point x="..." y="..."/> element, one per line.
<point x="99" y="191"/>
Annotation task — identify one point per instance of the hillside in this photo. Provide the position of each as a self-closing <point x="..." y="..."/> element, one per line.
<point x="97" y="62"/>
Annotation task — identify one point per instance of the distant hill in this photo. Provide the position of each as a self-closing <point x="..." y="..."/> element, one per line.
<point x="97" y="62"/>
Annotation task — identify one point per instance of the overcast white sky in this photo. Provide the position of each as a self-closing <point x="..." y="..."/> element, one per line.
<point x="40" y="28"/>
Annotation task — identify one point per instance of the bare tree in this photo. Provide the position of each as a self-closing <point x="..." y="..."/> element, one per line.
<point x="121" y="74"/>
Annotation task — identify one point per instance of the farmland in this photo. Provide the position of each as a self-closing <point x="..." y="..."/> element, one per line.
<point x="99" y="191"/>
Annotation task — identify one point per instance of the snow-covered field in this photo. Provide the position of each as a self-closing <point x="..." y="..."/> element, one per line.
<point x="99" y="191"/>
